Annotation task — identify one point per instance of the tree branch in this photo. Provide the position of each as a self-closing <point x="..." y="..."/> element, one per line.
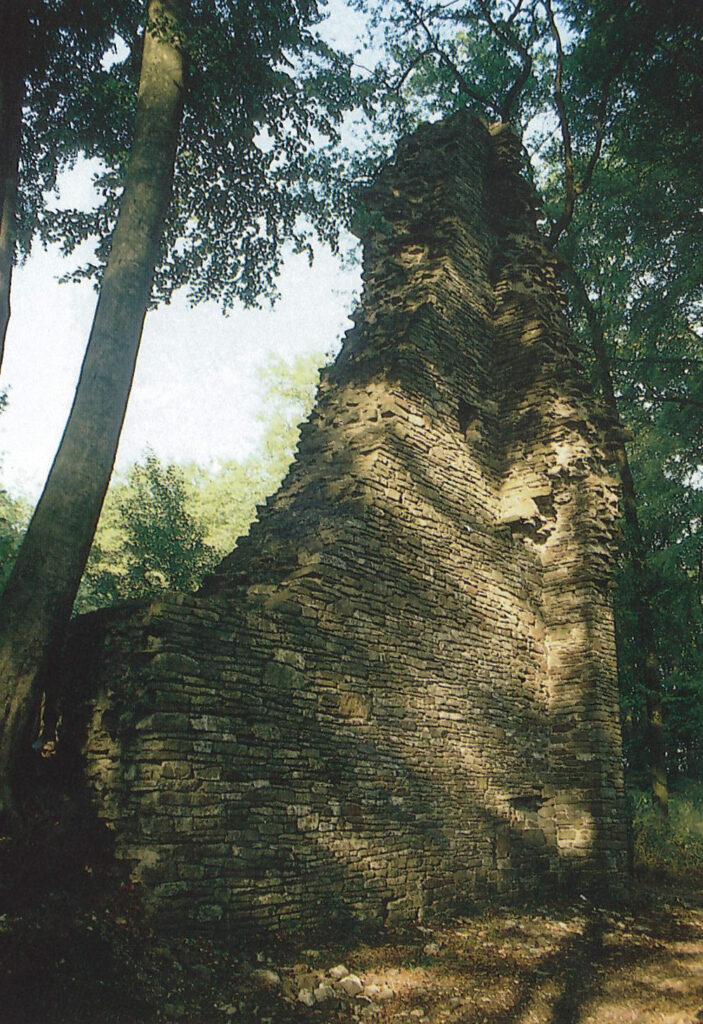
<point x="600" y="128"/>
<point x="400" y="81"/>
<point x="651" y="395"/>
<point x="516" y="10"/>
<point x="504" y="32"/>
<point x="570" y="193"/>
<point x="573" y="188"/>
<point x="435" y="48"/>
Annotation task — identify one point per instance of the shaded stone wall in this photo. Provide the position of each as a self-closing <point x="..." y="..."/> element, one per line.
<point x="400" y="687"/>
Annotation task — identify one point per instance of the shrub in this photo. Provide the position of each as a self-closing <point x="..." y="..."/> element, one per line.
<point x="671" y="848"/>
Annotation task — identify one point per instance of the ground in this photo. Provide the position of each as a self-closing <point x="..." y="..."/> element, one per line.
<point x="75" y="949"/>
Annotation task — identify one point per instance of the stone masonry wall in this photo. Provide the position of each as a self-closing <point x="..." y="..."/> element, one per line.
<point x="400" y="687"/>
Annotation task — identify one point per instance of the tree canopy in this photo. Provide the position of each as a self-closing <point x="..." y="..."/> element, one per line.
<point x="250" y="182"/>
<point x="164" y="526"/>
<point x="608" y="97"/>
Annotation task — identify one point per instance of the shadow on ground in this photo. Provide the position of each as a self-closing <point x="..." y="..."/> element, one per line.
<point x="75" y="948"/>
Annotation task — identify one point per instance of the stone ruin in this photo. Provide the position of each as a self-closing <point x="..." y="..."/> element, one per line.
<point x="399" y="690"/>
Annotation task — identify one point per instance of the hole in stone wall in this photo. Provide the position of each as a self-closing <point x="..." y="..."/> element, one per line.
<point x="545" y="503"/>
<point x="468" y="416"/>
<point x="495" y="269"/>
<point x="503" y="533"/>
<point x="523" y="529"/>
<point x="527" y="802"/>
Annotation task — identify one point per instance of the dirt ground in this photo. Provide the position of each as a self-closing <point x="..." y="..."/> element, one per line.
<point x="575" y="964"/>
<point x="75" y="948"/>
<point x="571" y="965"/>
<point x="94" y="961"/>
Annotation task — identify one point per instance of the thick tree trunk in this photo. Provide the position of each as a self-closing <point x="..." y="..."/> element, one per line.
<point x="14" y="24"/>
<point x="647" y="658"/>
<point x="36" y="605"/>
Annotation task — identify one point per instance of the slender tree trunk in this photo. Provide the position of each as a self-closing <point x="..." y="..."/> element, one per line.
<point x="14" y="31"/>
<point x="647" y="658"/>
<point x="36" y="605"/>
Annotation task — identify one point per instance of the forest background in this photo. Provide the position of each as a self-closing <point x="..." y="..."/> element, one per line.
<point x="608" y="97"/>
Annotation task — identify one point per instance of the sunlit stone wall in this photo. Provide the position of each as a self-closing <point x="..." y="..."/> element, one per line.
<point x="400" y="688"/>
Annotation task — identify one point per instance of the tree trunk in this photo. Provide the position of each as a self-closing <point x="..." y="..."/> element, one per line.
<point x="647" y="658"/>
<point x="36" y="605"/>
<point x="14" y="26"/>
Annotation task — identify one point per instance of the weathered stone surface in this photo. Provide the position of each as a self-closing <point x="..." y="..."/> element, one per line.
<point x="400" y="687"/>
<point x="265" y="976"/>
<point x="338" y="972"/>
<point x="352" y="984"/>
<point x="325" y="993"/>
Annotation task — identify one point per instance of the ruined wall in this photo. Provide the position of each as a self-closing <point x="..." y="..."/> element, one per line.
<point x="400" y="687"/>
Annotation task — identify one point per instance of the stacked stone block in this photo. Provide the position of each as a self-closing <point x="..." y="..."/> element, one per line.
<point x="399" y="689"/>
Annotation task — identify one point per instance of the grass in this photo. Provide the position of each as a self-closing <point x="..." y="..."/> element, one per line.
<point x="671" y="848"/>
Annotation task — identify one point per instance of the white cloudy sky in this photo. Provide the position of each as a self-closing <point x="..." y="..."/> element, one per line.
<point x="195" y="393"/>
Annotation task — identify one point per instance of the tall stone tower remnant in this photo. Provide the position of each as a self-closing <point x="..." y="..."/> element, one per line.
<point x="400" y="687"/>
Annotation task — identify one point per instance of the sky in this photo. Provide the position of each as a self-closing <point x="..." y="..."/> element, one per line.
<point x="196" y="394"/>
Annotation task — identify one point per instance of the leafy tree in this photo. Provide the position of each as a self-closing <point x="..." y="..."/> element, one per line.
<point x="14" y="516"/>
<point x="227" y="499"/>
<point x="634" y="247"/>
<point x="248" y="185"/>
<point x="218" y="113"/>
<point x="163" y="540"/>
<point x="105" y="572"/>
<point x="164" y="527"/>
<point x="637" y="247"/>
<point x="289" y="391"/>
<point x="53" y="87"/>
<point x="39" y="594"/>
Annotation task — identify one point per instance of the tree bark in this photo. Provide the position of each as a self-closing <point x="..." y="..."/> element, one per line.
<point x="14" y="33"/>
<point x="36" y="605"/>
<point x="647" y="658"/>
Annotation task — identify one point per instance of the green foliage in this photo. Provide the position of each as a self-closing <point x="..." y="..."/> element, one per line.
<point x="636" y="243"/>
<point x="256" y="159"/>
<point x="72" y="105"/>
<point x="289" y="393"/>
<point x="673" y="847"/>
<point x="227" y="497"/>
<point x="165" y="526"/>
<point x="164" y="541"/>
<point x="14" y="517"/>
<point x="440" y="57"/>
<point x="677" y="617"/>
<point x="150" y="540"/>
<point x="671" y="512"/>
